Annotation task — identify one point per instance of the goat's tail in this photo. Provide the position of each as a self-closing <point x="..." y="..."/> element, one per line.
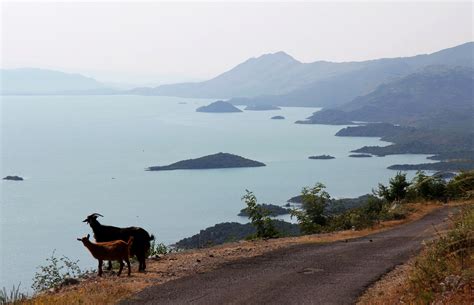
<point x="152" y="237"/>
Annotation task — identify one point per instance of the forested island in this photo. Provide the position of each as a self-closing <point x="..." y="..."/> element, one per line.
<point x="231" y="231"/>
<point x="219" y="160"/>
<point x="219" y="107"/>
<point x="272" y="209"/>
<point x="278" y="117"/>
<point x="321" y="157"/>
<point x="13" y="178"/>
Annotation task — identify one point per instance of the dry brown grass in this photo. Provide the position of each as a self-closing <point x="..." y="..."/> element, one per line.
<point x="110" y="289"/>
<point x="397" y="286"/>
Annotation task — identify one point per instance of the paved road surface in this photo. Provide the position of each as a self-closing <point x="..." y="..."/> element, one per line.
<point x="333" y="273"/>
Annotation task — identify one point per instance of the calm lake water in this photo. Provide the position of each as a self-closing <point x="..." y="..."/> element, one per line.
<point x="86" y="154"/>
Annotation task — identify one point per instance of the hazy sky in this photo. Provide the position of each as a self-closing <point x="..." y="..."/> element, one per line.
<point x="148" y="42"/>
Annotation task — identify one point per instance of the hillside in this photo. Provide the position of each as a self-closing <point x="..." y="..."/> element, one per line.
<point x="278" y="79"/>
<point x="436" y="98"/>
<point x="42" y="81"/>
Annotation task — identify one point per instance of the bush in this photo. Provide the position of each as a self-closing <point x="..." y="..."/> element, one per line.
<point x="157" y="249"/>
<point x="311" y="217"/>
<point x="425" y="187"/>
<point x="259" y="217"/>
<point x="461" y="186"/>
<point x="396" y="190"/>
<point x="56" y="272"/>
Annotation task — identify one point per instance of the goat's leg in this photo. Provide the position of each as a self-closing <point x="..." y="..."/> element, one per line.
<point x="109" y="267"/>
<point x="140" y="259"/>
<point x="100" y="267"/>
<point x="128" y="266"/>
<point x="121" y="267"/>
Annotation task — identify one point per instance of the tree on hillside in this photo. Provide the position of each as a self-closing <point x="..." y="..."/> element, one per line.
<point x="428" y="187"/>
<point x="311" y="217"/>
<point x="396" y="190"/>
<point x="259" y="217"/>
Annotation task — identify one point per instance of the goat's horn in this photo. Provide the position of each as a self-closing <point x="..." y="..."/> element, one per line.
<point x="97" y="214"/>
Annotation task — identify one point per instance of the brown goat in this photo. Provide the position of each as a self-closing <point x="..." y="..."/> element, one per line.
<point x="116" y="250"/>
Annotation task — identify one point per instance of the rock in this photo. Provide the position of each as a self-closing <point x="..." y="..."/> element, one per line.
<point x="278" y="117"/>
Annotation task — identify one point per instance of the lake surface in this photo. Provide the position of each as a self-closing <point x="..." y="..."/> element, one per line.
<point x="85" y="154"/>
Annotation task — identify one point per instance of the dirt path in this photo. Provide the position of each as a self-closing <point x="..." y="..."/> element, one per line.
<point x="333" y="273"/>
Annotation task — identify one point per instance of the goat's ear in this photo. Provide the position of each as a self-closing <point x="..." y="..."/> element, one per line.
<point x="79" y="239"/>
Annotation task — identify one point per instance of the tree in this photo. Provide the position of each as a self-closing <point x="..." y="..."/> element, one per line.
<point x="428" y="187"/>
<point x="259" y="217"/>
<point x="311" y="217"/>
<point x="396" y="190"/>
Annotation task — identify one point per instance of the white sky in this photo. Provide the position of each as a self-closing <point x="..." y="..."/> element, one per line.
<point x="149" y="42"/>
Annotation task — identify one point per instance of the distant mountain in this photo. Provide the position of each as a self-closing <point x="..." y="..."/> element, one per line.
<point x="435" y="98"/>
<point x="278" y="79"/>
<point x="276" y="73"/>
<point x="41" y="81"/>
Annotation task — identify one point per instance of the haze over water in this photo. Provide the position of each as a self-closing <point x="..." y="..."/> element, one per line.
<point x="85" y="154"/>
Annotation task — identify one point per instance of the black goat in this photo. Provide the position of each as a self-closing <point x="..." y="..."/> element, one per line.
<point x="141" y="238"/>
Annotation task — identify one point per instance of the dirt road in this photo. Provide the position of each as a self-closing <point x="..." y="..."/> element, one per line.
<point x="333" y="273"/>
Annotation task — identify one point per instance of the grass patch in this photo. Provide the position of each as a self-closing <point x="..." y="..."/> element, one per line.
<point x="447" y="265"/>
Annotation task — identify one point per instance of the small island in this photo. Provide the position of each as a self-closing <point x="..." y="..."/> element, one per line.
<point x="272" y="209"/>
<point x="262" y="107"/>
<point x="219" y="107"/>
<point x="321" y="157"/>
<point x="219" y="160"/>
<point x="13" y="178"/>
<point x="360" y="156"/>
<point x="278" y="117"/>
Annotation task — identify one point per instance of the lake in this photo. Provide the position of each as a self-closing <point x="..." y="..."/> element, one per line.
<point x="86" y="154"/>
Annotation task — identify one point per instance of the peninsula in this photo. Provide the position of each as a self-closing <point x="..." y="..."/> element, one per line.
<point x="219" y="160"/>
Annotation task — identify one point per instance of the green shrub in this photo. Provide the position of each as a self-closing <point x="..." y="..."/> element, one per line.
<point x="461" y="186"/>
<point x="259" y="217"/>
<point x="396" y="190"/>
<point x="424" y="187"/>
<point x="157" y="249"/>
<point x="56" y="272"/>
<point x="311" y="217"/>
